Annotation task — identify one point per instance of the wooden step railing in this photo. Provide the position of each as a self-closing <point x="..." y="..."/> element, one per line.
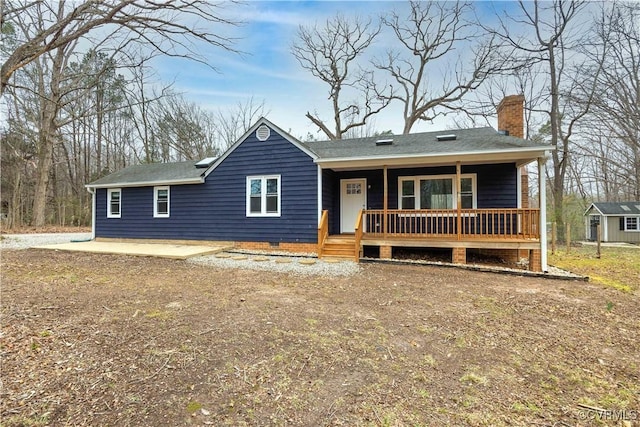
<point x="359" y="231"/>
<point x="323" y="231"/>
<point x="493" y="224"/>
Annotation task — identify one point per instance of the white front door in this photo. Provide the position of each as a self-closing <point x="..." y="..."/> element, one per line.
<point x="353" y="197"/>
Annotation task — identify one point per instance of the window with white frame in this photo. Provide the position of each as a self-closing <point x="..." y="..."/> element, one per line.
<point x="114" y="202"/>
<point x="263" y="195"/>
<point x="161" y="202"/>
<point x="436" y="192"/>
<point x="631" y="223"/>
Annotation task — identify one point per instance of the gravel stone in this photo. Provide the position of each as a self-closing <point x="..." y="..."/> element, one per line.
<point x="26" y="241"/>
<point x="283" y="265"/>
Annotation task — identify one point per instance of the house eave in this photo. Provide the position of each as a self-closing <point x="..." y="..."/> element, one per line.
<point x="186" y="181"/>
<point x="519" y="155"/>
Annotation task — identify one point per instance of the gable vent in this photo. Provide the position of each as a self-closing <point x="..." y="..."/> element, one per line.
<point x="450" y="137"/>
<point x="387" y="141"/>
<point x="263" y="133"/>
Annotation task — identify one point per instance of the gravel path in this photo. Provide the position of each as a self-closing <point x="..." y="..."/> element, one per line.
<point x="25" y="241"/>
<point x="283" y="264"/>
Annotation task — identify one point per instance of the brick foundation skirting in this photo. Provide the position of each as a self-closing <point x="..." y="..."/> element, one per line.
<point x="385" y="252"/>
<point x="535" y="260"/>
<point x="282" y="246"/>
<point x="459" y="256"/>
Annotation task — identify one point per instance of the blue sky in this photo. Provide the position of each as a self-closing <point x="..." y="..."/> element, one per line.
<point x="268" y="71"/>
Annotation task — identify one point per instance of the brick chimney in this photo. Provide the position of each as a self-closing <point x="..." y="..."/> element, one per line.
<point x="511" y="115"/>
<point x="511" y="119"/>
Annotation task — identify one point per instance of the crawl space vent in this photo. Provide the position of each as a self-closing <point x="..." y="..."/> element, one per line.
<point x="263" y="133"/>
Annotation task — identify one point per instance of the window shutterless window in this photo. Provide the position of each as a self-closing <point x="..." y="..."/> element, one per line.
<point x="437" y="192"/>
<point x="161" y="202"/>
<point x="114" y="201"/>
<point x="263" y="195"/>
<point x="632" y="223"/>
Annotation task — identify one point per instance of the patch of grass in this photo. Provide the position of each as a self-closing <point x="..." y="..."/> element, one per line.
<point x="193" y="406"/>
<point x="473" y="378"/>
<point x="159" y="315"/>
<point x="429" y="360"/>
<point x="20" y="421"/>
<point x="311" y="322"/>
<point x="618" y="268"/>
<point x="525" y="407"/>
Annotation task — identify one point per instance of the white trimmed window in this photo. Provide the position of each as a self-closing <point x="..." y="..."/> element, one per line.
<point x="114" y="202"/>
<point x="160" y="202"/>
<point x="263" y="195"/>
<point x="436" y="192"/>
<point x="631" y="223"/>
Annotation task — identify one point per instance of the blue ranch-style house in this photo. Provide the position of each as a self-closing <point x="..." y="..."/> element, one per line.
<point x="463" y="190"/>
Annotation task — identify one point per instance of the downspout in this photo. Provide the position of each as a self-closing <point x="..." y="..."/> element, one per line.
<point x="542" y="191"/>
<point x="93" y="212"/>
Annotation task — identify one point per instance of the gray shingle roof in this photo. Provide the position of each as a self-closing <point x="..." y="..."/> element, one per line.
<point x="618" y="208"/>
<point x="426" y="143"/>
<point x="152" y="173"/>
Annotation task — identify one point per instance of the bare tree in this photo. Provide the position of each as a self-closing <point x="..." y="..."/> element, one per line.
<point x="548" y="34"/>
<point x="46" y="35"/>
<point x="232" y="123"/>
<point x="431" y="77"/>
<point x="167" y="26"/>
<point x="331" y="52"/>
<point x="613" y="136"/>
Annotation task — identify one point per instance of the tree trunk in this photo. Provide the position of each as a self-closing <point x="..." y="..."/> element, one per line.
<point x="47" y="138"/>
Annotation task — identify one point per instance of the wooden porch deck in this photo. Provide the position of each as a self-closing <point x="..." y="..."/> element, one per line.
<point x="494" y="229"/>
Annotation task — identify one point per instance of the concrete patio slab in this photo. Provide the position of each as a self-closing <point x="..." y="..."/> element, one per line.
<point x="160" y="250"/>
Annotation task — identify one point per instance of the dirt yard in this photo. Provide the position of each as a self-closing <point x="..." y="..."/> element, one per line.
<point x="114" y="340"/>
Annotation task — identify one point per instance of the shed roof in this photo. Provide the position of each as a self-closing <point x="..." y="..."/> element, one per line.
<point x="616" y="208"/>
<point x="153" y="174"/>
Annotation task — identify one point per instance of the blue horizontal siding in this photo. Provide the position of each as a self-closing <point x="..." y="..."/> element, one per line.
<point x="216" y="209"/>
<point x="496" y="186"/>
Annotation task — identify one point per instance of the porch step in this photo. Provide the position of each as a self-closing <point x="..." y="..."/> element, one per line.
<point x="339" y="248"/>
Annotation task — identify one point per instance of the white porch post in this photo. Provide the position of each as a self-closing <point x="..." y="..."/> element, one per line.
<point x="385" y="202"/>
<point x="93" y="212"/>
<point x="319" y="194"/>
<point x="542" y="195"/>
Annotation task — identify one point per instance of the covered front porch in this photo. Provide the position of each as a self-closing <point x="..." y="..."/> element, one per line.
<point x="485" y="209"/>
<point x="508" y="233"/>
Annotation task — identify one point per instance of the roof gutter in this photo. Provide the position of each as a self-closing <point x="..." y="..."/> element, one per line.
<point x="198" y="180"/>
<point x="401" y="159"/>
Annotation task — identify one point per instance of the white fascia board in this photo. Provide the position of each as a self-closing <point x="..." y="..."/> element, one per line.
<point x="515" y="154"/>
<point x="589" y="209"/>
<point x="148" y="183"/>
<point x="252" y="129"/>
